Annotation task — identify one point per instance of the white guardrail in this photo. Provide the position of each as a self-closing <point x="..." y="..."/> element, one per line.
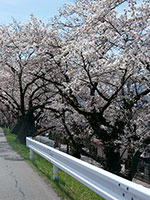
<point x="107" y="185"/>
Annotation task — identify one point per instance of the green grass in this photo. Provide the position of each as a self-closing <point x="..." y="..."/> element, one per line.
<point x="66" y="187"/>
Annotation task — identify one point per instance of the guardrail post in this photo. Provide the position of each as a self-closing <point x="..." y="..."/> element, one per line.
<point x="55" y="172"/>
<point x="31" y="154"/>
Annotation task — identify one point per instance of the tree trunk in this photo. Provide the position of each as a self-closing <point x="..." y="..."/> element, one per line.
<point x="112" y="160"/>
<point x="25" y="127"/>
<point x="134" y="165"/>
<point x="16" y="128"/>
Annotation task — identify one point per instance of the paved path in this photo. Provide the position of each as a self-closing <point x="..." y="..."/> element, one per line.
<point x="18" y="181"/>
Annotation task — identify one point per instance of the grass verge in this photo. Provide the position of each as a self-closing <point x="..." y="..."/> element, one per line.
<point x="66" y="187"/>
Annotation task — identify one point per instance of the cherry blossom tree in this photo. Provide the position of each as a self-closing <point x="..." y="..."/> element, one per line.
<point x="23" y="50"/>
<point x="105" y="63"/>
<point x="90" y="69"/>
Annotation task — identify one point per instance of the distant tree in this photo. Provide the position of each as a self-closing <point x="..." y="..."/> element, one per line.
<point x="6" y="117"/>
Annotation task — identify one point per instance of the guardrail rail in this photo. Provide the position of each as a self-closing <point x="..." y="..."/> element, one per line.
<point x="107" y="185"/>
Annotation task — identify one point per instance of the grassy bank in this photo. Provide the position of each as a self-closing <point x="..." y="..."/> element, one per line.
<point x="66" y="187"/>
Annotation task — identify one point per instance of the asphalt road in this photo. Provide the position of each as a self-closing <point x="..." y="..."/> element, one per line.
<point x="18" y="181"/>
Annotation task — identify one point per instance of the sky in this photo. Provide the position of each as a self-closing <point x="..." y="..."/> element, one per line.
<point x="21" y="9"/>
